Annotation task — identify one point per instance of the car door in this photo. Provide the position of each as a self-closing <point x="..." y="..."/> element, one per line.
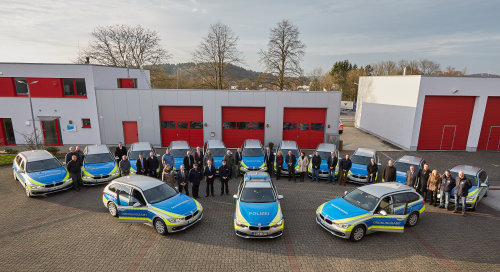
<point x="482" y="178"/>
<point x="388" y="221"/>
<point x="128" y="212"/>
<point x="21" y="167"/>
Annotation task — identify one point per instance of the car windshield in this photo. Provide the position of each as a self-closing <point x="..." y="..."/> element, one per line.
<point x="362" y="199"/>
<point x="42" y="165"/>
<point x="294" y="152"/>
<point x="405" y="167"/>
<point x="159" y="193"/>
<point x="98" y="158"/>
<point x="218" y="152"/>
<point x="360" y="159"/>
<point x="257" y="195"/>
<point x="179" y="153"/>
<point x="134" y="155"/>
<point x="323" y="155"/>
<point x="472" y="179"/>
<point x="253" y="152"/>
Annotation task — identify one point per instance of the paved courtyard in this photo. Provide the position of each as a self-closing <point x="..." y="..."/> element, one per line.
<point x="72" y="231"/>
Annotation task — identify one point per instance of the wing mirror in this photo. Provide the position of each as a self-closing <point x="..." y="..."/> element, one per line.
<point x="346" y="192"/>
<point x="137" y="205"/>
<point x="280" y="196"/>
<point x="484" y="184"/>
<point x="310" y="156"/>
<point x="379" y="164"/>
<point x="235" y="196"/>
<point x="383" y="212"/>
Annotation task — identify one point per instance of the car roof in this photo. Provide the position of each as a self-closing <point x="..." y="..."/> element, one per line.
<point x="467" y="169"/>
<point x="382" y="189"/>
<point x="326" y="147"/>
<point x="140" y="146"/>
<point x="215" y="144"/>
<point x="365" y="152"/>
<point x="179" y="145"/>
<point x="289" y="145"/>
<point x="36" y="155"/>
<point x="252" y="143"/>
<point x="140" y="181"/>
<point x="258" y="184"/>
<point x="410" y="159"/>
<point x="96" y="149"/>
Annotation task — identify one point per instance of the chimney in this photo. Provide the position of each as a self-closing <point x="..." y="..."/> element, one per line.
<point x="87" y="60"/>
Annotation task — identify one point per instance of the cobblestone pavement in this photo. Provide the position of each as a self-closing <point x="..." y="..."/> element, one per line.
<point x="72" y="231"/>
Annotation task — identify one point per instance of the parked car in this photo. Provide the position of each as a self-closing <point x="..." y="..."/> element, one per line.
<point x="480" y="184"/>
<point x="143" y="148"/>
<point x="40" y="173"/>
<point x="178" y="149"/>
<point x="360" y="159"/>
<point x="284" y="147"/>
<point x="258" y="212"/>
<point x="376" y="207"/>
<point x="218" y="151"/>
<point x="252" y="157"/>
<point x="324" y="150"/>
<point x="99" y="165"/>
<point x="143" y="199"/>
<point x="341" y="127"/>
<point x="403" y="165"/>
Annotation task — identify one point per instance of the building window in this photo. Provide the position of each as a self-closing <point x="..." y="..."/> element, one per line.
<point x="127" y="83"/>
<point x="21" y="88"/>
<point x="7" y="132"/>
<point x="243" y="125"/>
<point x="258" y="126"/>
<point x="81" y="89"/>
<point x="229" y="125"/>
<point x="86" y="123"/>
<point x="168" y="124"/>
<point x="74" y="86"/>
<point x="182" y="125"/>
<point x="317" y="126"/>
<point x="303" y="126"/>
<point x="289" y="126"/>
<point x="196" y="125"/>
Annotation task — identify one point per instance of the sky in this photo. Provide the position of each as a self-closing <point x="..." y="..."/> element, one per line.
<point x="456" y="33"/>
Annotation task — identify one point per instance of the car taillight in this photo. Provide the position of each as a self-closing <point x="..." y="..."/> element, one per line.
<point x="423" y="202"/>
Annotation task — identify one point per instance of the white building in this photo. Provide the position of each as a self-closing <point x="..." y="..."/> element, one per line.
<point x="431" y="113"/>
<point x="64" y="100"/>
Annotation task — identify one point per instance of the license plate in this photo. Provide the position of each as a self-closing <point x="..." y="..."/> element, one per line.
<point x="259" y="233"/>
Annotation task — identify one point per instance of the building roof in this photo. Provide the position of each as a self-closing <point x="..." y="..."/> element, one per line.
<point x="410" y="159"/>
<point x="365" y="152"/>
<point x="252" y="143"/>
<point x="215" y="144"/>
<point x="70" y="64"/>
<point x="179" y="145"/>
<point x="326" y="147"/>
<point x="140" y="146"/>
<point x="140" y="181"/>
<point x="36" y="155"/>
<point x="467" y="169"/>
<point x="96" y="149"/>
<point x="381" y="189"/>
<point x="289" y="145"/>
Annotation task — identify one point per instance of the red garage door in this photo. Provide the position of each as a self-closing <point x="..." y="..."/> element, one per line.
<point x="306" y="126"/>
<point x="490" y="132"/>
<point x="445" y="122"/>
<point x="239" y="124"/>
<point x="130" y="134"/>
<point x="181" y="123"/>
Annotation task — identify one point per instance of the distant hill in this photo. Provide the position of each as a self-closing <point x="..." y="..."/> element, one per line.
<point x="188" y="70"/>
<point x="483" y="75"/>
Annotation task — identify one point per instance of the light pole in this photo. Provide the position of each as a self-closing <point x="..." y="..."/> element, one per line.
<point x="31" y="107"/>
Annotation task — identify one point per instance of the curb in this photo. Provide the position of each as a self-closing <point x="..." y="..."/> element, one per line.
<point x="494" y="188"/>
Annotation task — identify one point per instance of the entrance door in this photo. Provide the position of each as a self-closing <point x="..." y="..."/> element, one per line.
<point x="130" y="134"/>
<point x="8" y="130"/>
<point x="494" y="139"/>
<point x="51" y="132"/>
<point x="448" y="137"/>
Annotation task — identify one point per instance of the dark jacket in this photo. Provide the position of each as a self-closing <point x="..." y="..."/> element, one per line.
<point x="389" y="174"/>
<point x="120" y="152"/>
<point x="316" y="161"/>
<point x="69" y="156"/>
<point x="462" y="186"/>
<point x="182" y="178"/>
<point x="139" y="166"/>
<point x="447" y="183"/>
<point x="423" y="178"/>
<point x="372" y="168"/>
<point x="345" y="164"/>
<point x="124" y="166"/>
<point x="152" y="163"/>
<point x="237" y="158"/>
<point x="290" y="160"/>
<point x="74" y="167"/>
<point x="332" y="162"/>
<point x="209" y="172"/>
<point x="229" y="160"/>
<point x="198" y="158"/>
<point x="279" y="161"/>
<point x="188" y="162"/>
<point x="270" y="160"/>
<point x="224" y="172"/>
<point x="411" y="179"/>
<point x="195" y="176"/>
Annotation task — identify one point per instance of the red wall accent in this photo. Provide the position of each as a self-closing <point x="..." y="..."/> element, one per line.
<point x="236" y="137"/>
<point x="46" y="87"/>
<point x="7" y="87"/>
<point x="305" y="138"/>
<point x="490" y="131"/>
<point x="127" y="83"/>
<point x="181" y="114"/>
<point x="130" y="134"/>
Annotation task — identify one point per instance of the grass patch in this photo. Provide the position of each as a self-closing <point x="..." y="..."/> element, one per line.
<point x="6" y="159"/>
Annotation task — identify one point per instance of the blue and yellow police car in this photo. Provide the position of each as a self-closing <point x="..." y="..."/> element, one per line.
<point x="143" y="148"/>
<point x="403" y="166"/>
<point x="360" y="159"/>
<point x="480" y="184"/>
<point x="99" y="165"/>
<point x="284" y="147"/>
<point x="252" y="158"/>
<point x="325" y="150"/>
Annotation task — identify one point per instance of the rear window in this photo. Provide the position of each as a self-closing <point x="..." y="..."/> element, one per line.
<point x="42" y="165"/>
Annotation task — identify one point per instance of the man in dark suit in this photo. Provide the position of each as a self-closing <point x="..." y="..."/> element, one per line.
<point x="141" y="165"/>
<point x="224" y="176"/>
<point x="237" y="159"/>
<point x="195" y="177"/>
<point x="372" y="170"/>
<point x="153" y="164"/>
<point x="290" y="160"/>
<point x="198" y="156"/>
<point x="70" y="154"/>
<point x="182" y="180"/>
<point x="209" y="174"/>
<point x="332" y="164"/>
<point x="411" y="177"/>
<point x="344" y="167"/>
<point x="269" y="160"/>
<point x="188" y="161"/>
<point x="120" y="151"/>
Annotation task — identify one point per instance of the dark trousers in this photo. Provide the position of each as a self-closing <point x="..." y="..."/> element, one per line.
<point x="302" y="174"/>
<point x="142" y="173"/>
<point x="291" y="173"/>
<point x="372" y="178"/>
<point x="152" y="173"/>
<point x="184" y="188"/>
<point x="270" y="168"/>
<point x="433" y="197"/>
<point x="210" y="186"/>
<point x="424" y="194"/>
<point x="195" y="189"/>
<point x="343" y="176"/>
<point x="224" y="185"/>
<point x="77" y="180"/>
<point x="278" y="172"/>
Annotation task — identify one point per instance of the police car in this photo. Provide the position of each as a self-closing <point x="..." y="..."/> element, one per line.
<point x="252" y="156"/>
<point x="480" y="184"/>
<point x="99" y="166"/>
<point x="179" y="149"/>
<point x="143" y="148"/>
<point x="403" y="166"/>
<point x="384" y="207"/>
<point x="217" y="150"/>
<point x="258" y="212"/>
<point x="324" y="150"/>
<point x="40" y="173"/>
<point x="142" y="199"/>
<point x="360" y="159"/>
<point x="284" y="147"/>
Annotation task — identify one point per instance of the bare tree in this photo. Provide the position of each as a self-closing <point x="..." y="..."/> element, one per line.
<point x="412" y="67"/>
<point x="428" y="67"/>
<point x="284" y="53"/>
<point x="385" y="68"/>
<point x="215" y="52"/>
<point x="123" y="45"/>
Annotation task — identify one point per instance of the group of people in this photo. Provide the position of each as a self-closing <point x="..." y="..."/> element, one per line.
<point x="74" y="161"/>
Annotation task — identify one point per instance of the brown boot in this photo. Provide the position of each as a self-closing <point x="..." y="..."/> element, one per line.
<point x="455" y="211"/>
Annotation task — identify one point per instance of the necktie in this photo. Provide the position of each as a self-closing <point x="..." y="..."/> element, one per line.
<point x="189" y="160"/>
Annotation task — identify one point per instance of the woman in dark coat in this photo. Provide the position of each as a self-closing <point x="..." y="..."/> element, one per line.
<point x="279" y="164"/>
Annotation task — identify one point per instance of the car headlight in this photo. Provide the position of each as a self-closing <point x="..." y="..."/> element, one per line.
<point x="342" y="225"/>
<point x="175" y="220"/>
<point x="243" y="165"/>
<point x="278" y="224"/>
<point x="470" y="199"/>
<point x="240" y="224"/>
<point x="34" y="186"/>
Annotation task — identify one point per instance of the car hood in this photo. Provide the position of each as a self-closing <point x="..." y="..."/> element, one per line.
<point x="100" y="169"/>
<point x="218" y="161"/>
<point x="253" y="162"/>
<point x="338" y="209"/>
<point x="258" y="213"/>
<point x="49" y="176"/>
<point x="401" y="176"/>
<point x="359" y="169"/>
<point x="178" y="162"/>
<point x="180" y="204"/>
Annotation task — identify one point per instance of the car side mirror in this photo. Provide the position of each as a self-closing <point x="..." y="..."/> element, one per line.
<point x="383" y="212"/>
<point x="137" y="205"/>
<point x="379" y="164"/>
<point x="484" y="184"/>
<point x="280" y="196"/>
<point x="345" y="193"/>
<point x="310" y="156"/>
<point x="235" y="196"/>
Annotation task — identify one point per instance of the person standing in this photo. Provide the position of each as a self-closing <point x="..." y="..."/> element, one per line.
<point x="447" y="184"/>
<point x="141" y="166"/>
<point x="188" y="161"/>
<point x="303" y="163"/>
<point x="290" y="161"/>
<point x="208" y="157"/>
<point x="79" y="154"/>
<point x="423" y="178"/>
<point x="372" y="170"/>
<point x="389" y="174"/>
<point x="120" y="151"/>
<point x="237" y="159"/>
<point x="69" y="155"/>
<point x="315" y="164"/>
<point x="183" y="179"/>
<point x="75" y="171"/>
<point x="209" y="174"/>
<point x="269" y="160"/>
<point x="168" y="175"/>
<point x="167" y="159"/>
<point x="344" y="167"/>
<point x="411" y="177"/>
<point x="195" y="177"/>
<point x="224" y="176"/>
<point x="124" y="166"/>
<point x="332" y="164"/>
<point x="153" y="164"/>
<point x="279" y="164"/>
<point x="433" y="186"/>
<point x="229" y="161"/>
<point x="198" y="156"/>
<point x="462" y="186"/>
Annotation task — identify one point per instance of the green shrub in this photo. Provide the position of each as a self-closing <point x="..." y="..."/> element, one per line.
<point x="52" y="149"/>
<point x="10" y="151"/>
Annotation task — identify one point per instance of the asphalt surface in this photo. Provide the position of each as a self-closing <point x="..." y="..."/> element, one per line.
<point x="72" y="231"/>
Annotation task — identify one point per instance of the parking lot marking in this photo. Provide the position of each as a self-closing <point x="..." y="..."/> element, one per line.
<point x="387" y="156"/>
<point x="292" y="258"/>
<point x="142" y="252"/>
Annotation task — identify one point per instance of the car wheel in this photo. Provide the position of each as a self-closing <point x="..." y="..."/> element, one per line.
<point x="160" y="226"/>
<point x="27" y="190"/>
<point x="358" y="233"/>
<point x="412" y="219"/>
<point x="112" y="209"/>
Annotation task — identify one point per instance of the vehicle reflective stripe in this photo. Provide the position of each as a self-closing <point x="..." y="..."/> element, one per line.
<point x="385" y="227"/>
<point x="350" y="172"/>
<point x="86" y="173"/>
<point x="277" y="218"/>
<point x="263" y="165"/>
<point x="34" y="181"/>
<point x="136" y="218"/>
<point x="198" y="205"/>
<point x="422" y="209"/>
<point x="240" y="217"/>
<point x="104" y="199"/>
<point x="132" y="170"/>
<point x="167" y="213"/>
<point x="114" y="169"/>
<point x="320" y="208"/>
<point x="243" y="164"/>
<point x="352" y="218"/>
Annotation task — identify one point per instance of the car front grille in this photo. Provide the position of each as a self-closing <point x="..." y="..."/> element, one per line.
<point x="191" y="215"/>
<point x="53" y="185"/>
<point x="326" y="219"/>
<point x="101" y="177"/>
<point x="259" y="228"/>
<point x="358" y="176"/>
